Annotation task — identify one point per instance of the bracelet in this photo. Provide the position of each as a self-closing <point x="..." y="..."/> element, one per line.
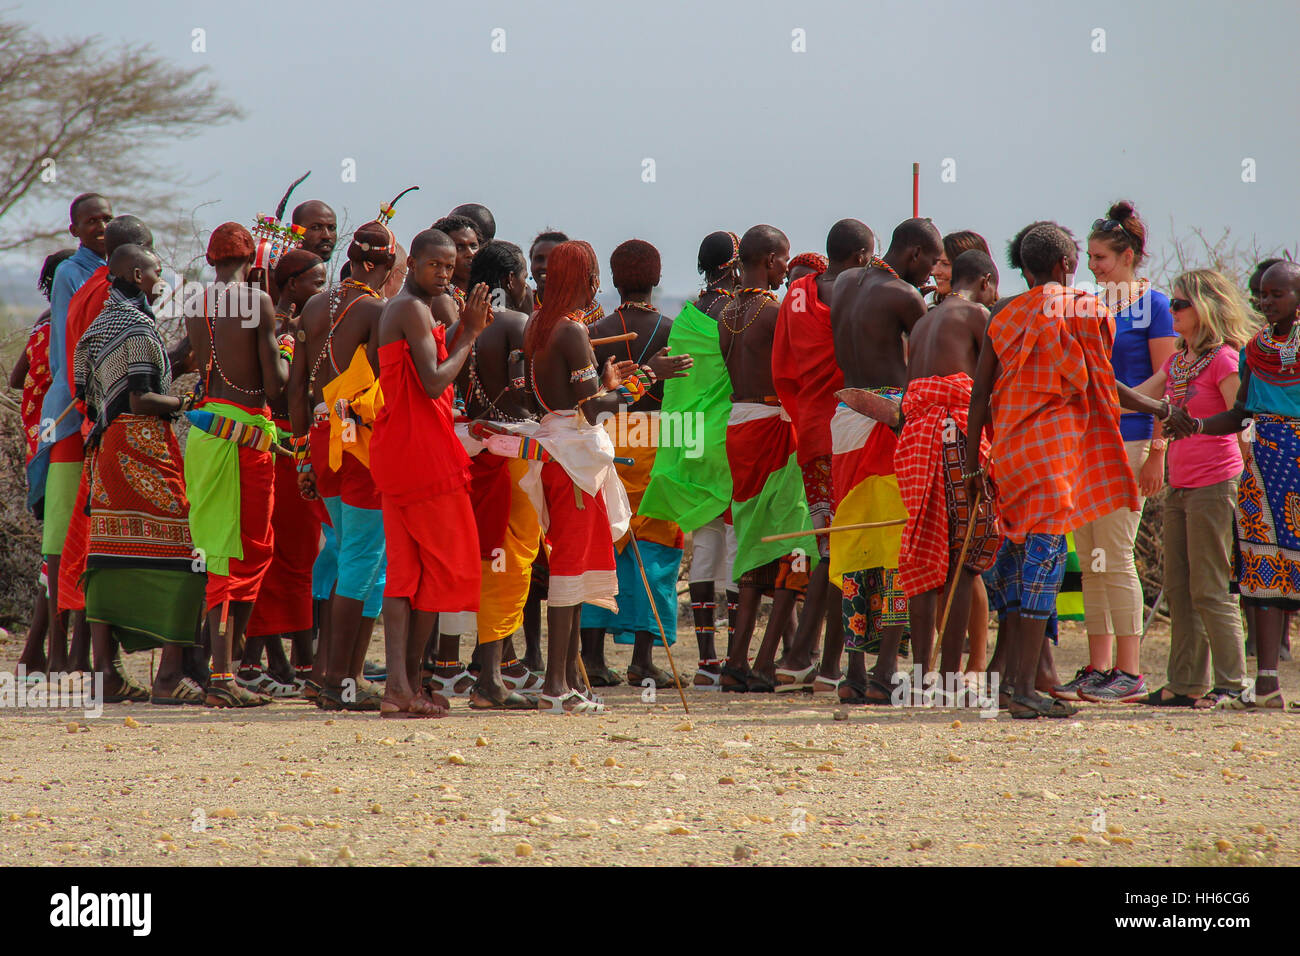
<point x="632" y="388"/>
<point x="1200" y="426"/>
<point x="286" y="346"/>
<point x="648" y="373"/>
<point x="304" y="466"/>
<point x="584" y="374"/>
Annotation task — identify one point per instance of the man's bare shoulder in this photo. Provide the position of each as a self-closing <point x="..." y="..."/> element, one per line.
<point x="896" y="291"/>
<point x="508" y="320"/>
<point x="568" y="334"/>
<point x="606" y="325"/>
<point x="444" y="310"/>
<point x="847" y="282"/>
<point x="404" y="304"/>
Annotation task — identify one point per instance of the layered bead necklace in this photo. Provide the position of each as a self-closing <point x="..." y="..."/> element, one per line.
<point x="736" y="301"/>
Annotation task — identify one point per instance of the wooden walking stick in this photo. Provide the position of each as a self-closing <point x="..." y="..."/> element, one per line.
<point x="952" y="591"/>
<point x="582" y="668"/>
<point x="663" y="636"/>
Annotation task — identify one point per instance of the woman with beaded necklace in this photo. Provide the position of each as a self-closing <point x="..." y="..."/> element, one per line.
<point x="1213" y="321"/>
<point x="1268" y="535"/>
<point x="1144" y="340"/>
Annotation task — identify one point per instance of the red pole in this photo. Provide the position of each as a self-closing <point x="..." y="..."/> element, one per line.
<point x="916" y="190"/>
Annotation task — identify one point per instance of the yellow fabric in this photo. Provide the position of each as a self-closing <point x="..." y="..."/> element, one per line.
<point x="359" y="386"/>
<point x="875" y="498"/>
<point x="641" y="432"/>
<point x="506" y="577"/>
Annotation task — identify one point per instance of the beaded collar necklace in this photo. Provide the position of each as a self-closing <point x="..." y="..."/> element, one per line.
<point x="880" y="263"/>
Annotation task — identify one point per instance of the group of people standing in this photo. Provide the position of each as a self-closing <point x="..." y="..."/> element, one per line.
<point x="432" y="439"/>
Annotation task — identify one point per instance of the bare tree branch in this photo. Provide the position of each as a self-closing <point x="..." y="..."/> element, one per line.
<point x="82" y="110"/>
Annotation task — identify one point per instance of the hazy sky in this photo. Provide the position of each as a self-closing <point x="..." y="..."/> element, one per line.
<point x="741" y="128"/>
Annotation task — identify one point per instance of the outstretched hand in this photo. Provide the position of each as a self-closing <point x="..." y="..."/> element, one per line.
<point x="670" y="366"/>
<point x="612" y="375"/>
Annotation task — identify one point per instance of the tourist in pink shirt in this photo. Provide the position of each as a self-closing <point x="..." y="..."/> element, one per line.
<point x="1212" y="320"/>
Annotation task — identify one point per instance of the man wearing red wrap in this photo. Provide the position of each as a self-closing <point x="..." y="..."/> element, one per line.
<point x="227" y="475"/>
<point x="807" y="377"/>
<point x="422" y="471"/>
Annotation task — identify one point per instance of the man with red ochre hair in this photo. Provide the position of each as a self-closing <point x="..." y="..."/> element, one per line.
<point x="229" y="479"/>
<point x="578" y="496"/>
<point x="422" y="471"/>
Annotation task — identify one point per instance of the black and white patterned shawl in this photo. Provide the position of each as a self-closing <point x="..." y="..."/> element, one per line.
<point x="119" y="353"/>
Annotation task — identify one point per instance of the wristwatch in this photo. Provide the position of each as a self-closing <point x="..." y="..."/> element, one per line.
<point x="1159" y="444"/>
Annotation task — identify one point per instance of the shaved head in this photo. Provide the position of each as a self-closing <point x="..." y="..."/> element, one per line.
<point x="1282" y="273"/>
<point x="127" y="229"/>
<point x="481" y="216"/>
<point x="760" y="241"/>
<point x="971" y="266"/>
<point x="321" y="225"/>
<point x="848" y="237"/>
<point x="429" y="241"/>
<point x="304" y="212"/>
<point x="916" y="233"/>
<point x="129" y="257"/>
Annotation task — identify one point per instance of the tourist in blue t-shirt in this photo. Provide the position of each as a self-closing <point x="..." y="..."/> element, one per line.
<point x="1144" y="340"/>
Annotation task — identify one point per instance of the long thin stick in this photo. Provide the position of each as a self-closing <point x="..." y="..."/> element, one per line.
<point x="583" y="669"/>
<point x="62" y="415"/>
<point x="663" y="636"/>
<point x="952" y="591"/>
<point x="916" y="190"/>
<point x="839" y="527"/>
<point x="608" y="339"/>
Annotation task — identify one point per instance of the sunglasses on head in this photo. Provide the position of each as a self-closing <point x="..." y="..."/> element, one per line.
<point x="1106" y="225"/>
<point x="1178" y="305"/>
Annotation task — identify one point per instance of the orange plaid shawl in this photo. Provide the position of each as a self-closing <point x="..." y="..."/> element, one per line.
<point x="1059" y="460"/>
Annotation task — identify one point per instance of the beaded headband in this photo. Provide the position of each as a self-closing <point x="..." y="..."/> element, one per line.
<point x="735" y="251"/>
<point x="273" y="237"/>
<point x="389" y="247"/>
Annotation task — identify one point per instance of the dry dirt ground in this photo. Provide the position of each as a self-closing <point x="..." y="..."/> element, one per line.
<point x="759" y="780"/>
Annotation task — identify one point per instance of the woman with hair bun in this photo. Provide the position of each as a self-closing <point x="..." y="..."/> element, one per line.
<point x="1144" y="341"/>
